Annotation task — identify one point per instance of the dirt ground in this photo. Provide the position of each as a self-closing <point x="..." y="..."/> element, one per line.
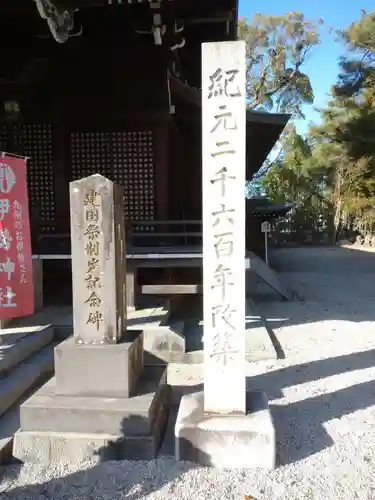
<point x="321" y="394"/>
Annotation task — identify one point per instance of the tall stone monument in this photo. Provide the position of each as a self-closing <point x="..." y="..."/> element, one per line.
<point x="101" y="400"/>
<point x="98" y="257"/>
<point x="224" y="425"/>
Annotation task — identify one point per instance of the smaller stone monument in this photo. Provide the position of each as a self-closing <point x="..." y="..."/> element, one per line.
<point x="101" y="401"/>
<point x="224" y="426"/>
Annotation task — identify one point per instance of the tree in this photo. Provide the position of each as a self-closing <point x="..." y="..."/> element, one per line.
<point x="358" y="65"/>
<point x="277" y="47"/>
<point x="293" y="177"/>
<point x="348" y="125"/>
<point x="335" y="166"/>
<point x="345" y="149"/>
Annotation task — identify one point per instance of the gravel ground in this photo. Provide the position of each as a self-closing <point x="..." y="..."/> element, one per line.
<point x="322" y="395"/>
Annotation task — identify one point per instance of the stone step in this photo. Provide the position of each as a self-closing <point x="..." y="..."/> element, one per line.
<point x="183" y="344"/>
<point x="10" y="422"/>
<point x="135" y="416"/>
<point x="18" y="343"/>
<point x="25" y="375"/>
<point x="9" y="425"/>
<point x="82" y="428"/>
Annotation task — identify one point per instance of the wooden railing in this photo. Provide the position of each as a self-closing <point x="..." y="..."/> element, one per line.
<point x="159" y="233"/>
<point x="172" y="231"/>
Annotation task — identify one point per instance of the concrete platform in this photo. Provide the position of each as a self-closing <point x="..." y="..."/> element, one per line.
<point x="259" y="345"/>
<point x="163" y="344"/>
<point x="25" y="375"/>
<point x="226" y="441"/>
<point x="55" y="427"/>
<point x="171" y="340"/>
<point x="181" y="341"/>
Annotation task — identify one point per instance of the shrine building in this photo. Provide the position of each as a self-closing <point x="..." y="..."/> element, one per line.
<point x="113" y="87"/>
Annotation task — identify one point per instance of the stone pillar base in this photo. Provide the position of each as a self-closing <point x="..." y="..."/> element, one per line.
<point x="110" y="371"/>
<point x="66" y="428"/>
<point x="226" y="441"/>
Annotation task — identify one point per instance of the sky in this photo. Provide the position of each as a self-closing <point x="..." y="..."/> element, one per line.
<point x="322" y="64"/>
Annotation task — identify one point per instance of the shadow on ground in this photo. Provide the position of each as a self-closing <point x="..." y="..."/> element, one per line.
<point x="299" y="425"/>
<point x="299" y="428"/>
<point x="341" y="281"/>
<point x="108" y="478"/>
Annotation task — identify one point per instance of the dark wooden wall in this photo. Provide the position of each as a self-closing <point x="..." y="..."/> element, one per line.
<point x="96" y="111"/>
<point x="185" y="172"/>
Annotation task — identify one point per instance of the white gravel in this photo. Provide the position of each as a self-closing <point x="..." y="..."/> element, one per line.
<point x="322" y="394"/>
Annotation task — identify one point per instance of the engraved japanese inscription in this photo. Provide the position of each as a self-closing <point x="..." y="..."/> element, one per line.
<point x="99" y="307"/>
<point x="224" y="129"/>
<point x="92" y="217"/>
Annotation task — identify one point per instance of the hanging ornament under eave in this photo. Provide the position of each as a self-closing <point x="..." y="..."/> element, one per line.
<point x="12" y="112"/>
<point x="60" y="21"/>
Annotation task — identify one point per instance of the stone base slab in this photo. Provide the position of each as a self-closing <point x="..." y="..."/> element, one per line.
<point x="45" y="447"/>
<point x="75" y="428"/>
<point x="164" y="338"/>
<point x="226" y="441"/>
<point x="99" y="370"/>
<point x="140" y="318"/>
<point x="163" y="344"/>
<point x="47" y="411"/>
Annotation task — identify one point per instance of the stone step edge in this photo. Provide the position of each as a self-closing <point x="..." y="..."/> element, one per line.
<point x="22" y="349"/>
<point x="10" y="421"/>
<point x="24" y="375"/>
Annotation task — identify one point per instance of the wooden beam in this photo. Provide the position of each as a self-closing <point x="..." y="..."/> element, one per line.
<point x="185" y="92"/>
<point x="171" y="289"/>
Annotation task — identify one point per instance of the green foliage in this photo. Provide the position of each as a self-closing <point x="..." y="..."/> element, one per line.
<point x="295" y="177"/>
<point x="277" y="47"/>
<point x="335" y="165"/>
<point x="358" y="65"/>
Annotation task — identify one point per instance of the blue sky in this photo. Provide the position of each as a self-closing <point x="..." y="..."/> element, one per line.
<point x="322" y="65"/>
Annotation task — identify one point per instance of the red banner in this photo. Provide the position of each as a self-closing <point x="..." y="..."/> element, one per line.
<point x="16" y="267"/>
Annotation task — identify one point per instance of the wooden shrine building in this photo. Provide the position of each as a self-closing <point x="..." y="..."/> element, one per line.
<point x="112" y="87"/>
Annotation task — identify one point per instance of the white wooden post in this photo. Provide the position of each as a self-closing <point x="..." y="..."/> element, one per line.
<point x="266" y="229"/>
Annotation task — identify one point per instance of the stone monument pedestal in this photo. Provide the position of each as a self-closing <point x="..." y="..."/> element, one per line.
<point x="121" y="365"/>
<point x="227" y="441"/>
<point x="225" y="425"/>
<point x="101" y="402"/>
